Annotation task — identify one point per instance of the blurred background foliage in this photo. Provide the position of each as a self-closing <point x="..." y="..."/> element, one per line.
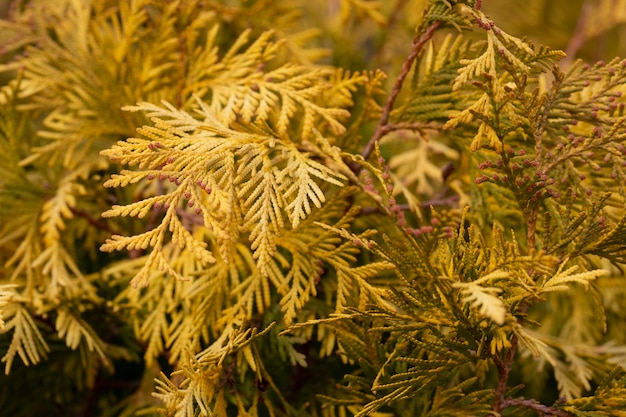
<point x="591" y="30"/>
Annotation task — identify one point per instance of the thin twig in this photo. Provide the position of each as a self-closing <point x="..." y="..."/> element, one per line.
<point x="93" y="221"/>
<point x="446" y="201"/>
<point x="418" y="44"/>
<point x="504" y="368"/>
<point x="543" y="410"/>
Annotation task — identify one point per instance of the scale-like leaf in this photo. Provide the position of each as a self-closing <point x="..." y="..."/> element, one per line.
<point x="484" y="299"/>
<point x="27" y="342"/>
<point x="560" y="280"/>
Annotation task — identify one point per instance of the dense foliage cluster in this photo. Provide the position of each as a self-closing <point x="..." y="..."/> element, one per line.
<point x="290" y="208"/>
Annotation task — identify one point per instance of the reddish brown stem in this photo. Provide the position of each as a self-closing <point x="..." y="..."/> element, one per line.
<point x="542" y="410"/>
<point x="93" y="221"/>
<point x="447" y="201"/>
<point x="531" y="224"/>
<point x="504" y="367"/>
<point x="418" y="44"/>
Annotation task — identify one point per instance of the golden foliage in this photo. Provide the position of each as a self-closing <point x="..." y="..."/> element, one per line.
<point x="426" y="245"/>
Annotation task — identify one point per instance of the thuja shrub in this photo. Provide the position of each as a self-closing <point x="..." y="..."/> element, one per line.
<point x="290" y="208"/>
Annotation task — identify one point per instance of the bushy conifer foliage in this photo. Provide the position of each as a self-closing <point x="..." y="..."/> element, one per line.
<point x="296" y="208"/>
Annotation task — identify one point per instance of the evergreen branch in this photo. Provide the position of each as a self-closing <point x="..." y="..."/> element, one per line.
<point x="484" y="299"/>
<point x="559" y="281"/>
<point x="252" y="180"/>
<point x="75" y="330"/>
<point x="416" y="47"/>
<point x="27" y="341"/>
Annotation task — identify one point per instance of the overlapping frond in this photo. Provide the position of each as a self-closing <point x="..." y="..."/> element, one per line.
<point x="416" y="168"/>
<point x="75" y="330"/>
<point x="6" y="294"/>
<point x="461" y="400"/>
<point x="160" y="324"/>
<point x="204" y="376"/>
<point x="27" y="342"/>
<point x="609" y="397"/>
<point x="484" y="299"/>
<point x="230" y="180"/>
<point x="561" y="279"/>
<point x="431" y="93"/>
<point x="276" y="96"/>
